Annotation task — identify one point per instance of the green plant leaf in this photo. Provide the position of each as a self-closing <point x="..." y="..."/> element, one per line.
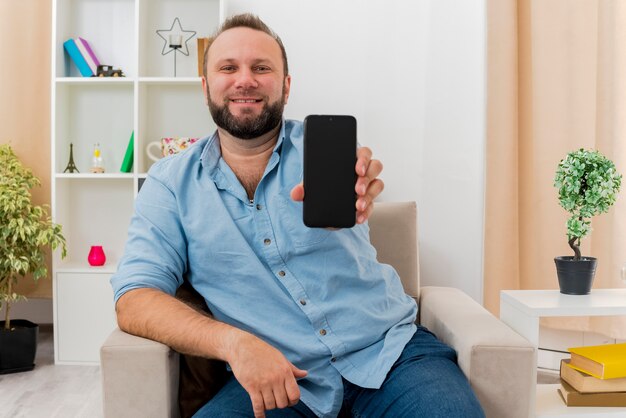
<point x="587" y="184"/>
<point x="25" y="229"/>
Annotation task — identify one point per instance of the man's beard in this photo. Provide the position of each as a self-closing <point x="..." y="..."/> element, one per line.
<point x="247" y="126"/>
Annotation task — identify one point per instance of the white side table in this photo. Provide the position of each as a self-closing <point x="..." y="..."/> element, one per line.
<point x="521" y="310"/>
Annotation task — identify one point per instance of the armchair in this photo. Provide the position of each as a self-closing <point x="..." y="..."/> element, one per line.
<point x="141" y="377"/>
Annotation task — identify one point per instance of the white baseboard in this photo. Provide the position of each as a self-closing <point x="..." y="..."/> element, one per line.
<point x="38" y="311"/>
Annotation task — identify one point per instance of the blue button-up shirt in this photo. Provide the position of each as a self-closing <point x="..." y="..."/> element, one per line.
<point x="318" y="296"/>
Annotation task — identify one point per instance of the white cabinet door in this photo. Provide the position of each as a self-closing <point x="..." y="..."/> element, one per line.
<point x="85" y="316"/>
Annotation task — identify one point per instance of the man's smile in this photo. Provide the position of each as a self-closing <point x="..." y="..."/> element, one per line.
<point x="246" y="100"/>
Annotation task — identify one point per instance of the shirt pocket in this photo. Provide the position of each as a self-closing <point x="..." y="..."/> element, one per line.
<point x="290" y="216"/>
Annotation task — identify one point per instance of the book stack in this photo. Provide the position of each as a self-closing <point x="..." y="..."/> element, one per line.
<point x="594" y="376"/>
<point x="82" y="55"/>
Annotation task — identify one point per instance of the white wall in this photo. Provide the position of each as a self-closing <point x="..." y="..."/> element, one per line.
<point x="35" y="310"/>
<point x="413" y="73"/>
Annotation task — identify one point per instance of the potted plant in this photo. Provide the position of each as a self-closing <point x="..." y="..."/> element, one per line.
<point x="25" y="231"/>
<point x="588" y="184"/>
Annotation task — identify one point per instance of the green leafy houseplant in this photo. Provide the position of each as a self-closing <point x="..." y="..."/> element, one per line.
<point x="588" y="184"/>
<point x="25" y="229"/>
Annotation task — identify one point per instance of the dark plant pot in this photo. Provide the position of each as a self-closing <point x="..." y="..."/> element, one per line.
<point x="18" y="346"/>
<point x="575" y="277"/>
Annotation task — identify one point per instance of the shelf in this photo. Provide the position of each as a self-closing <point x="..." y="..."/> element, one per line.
<point x="171" y="80"/>
<point x="522" y="309"/>
<point x="175" y="109"/>
<point x="108" y="26"/>
<point x="109" y="267"/>
<point x="129" y="80"/>
<point x="96" y="209"/>
<point x="539" y="303"/>
<point x="92" y="176"/>
<point x="95" y="80"/>
<point x="93" y="112"/>
<point x="93" y="212"/>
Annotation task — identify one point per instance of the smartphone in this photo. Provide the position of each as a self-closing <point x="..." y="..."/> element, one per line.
<point x="329" y="171"/>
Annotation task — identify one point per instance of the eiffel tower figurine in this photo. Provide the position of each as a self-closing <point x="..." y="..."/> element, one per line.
<point x="71" y="167"/>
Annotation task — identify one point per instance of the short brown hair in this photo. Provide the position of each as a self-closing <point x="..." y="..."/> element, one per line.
<point x="246" y="20"/>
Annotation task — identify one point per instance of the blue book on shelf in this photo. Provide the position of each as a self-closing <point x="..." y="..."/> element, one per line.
<point x="77" y="57"/>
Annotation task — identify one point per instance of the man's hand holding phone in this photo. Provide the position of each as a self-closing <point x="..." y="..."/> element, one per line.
<point x="368" y="186"/>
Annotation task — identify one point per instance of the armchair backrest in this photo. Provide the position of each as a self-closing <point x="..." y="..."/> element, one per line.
<point x="393" y="232"/>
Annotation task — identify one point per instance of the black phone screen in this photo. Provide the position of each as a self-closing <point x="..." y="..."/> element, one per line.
<point x="329" y="171"/>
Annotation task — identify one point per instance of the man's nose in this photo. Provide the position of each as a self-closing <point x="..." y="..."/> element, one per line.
<point x="246" y="79"/>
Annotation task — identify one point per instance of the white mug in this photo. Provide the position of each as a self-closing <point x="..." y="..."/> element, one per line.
<point x="168" y="146"/>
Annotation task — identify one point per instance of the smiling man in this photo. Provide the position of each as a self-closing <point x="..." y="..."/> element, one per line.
<point x="247" y="103"/>
<point x="308" y="321"/>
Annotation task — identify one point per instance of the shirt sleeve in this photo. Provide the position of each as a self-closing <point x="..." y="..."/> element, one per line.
<point x="155" y="255"/>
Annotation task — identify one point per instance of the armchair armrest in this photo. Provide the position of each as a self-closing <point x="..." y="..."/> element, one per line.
<point x="139" y="377"/>
<point x="499" y="364"/>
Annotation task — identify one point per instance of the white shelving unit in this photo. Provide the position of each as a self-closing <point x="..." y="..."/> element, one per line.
<point x="522" y="310"/>
<point x="95" y="209"/>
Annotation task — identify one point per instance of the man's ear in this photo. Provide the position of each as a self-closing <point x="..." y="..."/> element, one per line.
<point x="205" y="89"/>
<point x="287" y="87"/>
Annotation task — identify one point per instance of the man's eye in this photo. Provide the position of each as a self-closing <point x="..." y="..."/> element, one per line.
<point x="228" y="68"/>
<point x="262" y="69"/>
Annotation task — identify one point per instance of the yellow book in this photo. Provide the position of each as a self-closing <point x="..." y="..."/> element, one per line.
<point x="585" y="383"/>
<point x="601" y="361"/>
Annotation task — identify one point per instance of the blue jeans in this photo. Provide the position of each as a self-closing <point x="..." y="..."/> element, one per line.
<point x="424" y="382"/>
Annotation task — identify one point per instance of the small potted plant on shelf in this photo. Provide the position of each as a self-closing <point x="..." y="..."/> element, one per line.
<point x="25" y="231"/>
<point x="588" y="184"/>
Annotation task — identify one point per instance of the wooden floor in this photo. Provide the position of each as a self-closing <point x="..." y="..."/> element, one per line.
<point x="51" y="391"/>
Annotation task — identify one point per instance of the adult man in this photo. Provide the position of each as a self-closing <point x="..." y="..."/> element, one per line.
<point x="310" y="323"/>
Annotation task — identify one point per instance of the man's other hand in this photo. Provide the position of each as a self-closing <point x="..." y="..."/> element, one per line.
<point x="367" y="186"/>
<point x="265" y="373"/>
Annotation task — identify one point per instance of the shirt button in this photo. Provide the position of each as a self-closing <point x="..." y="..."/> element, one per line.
<point x="259" y="207"/>
<point x="267" y="241"/>
<point x="334" y="359"/>
<point x="302" y="302"/>
<point x="281" y="273"/>
<point x="322" y="332"/>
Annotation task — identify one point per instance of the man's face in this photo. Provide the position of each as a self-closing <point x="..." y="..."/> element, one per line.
<point x="246" y="88"/>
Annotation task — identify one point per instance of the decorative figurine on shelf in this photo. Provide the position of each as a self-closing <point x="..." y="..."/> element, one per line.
<point x="108" y="71"/>
<point x="71" y="167"/>
<point x="96" y="256"/>
<point x="176" y="40"/>
<point x="97" y="165"/>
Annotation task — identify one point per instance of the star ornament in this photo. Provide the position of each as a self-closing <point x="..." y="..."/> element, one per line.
<point x="176" y="29"/>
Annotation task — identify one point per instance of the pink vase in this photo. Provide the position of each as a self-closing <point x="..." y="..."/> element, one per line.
<point x="96" y="256"/>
